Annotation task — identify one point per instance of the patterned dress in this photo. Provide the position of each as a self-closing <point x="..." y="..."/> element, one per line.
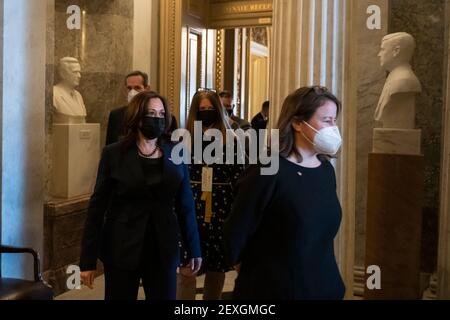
<point x="211" y="225"/>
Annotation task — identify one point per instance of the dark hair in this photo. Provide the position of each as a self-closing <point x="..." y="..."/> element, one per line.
<point x="300" y="106"/>
<point x="137" y="110"/>
<point x="138" y="73"/>
<point x="225" y="94"/>
<point x="266" y="105"/>
<point x="212" y="96"/>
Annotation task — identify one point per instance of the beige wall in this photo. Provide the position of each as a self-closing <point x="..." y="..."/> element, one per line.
<point x="146" y="39"/>
<point x="259" y="78"/>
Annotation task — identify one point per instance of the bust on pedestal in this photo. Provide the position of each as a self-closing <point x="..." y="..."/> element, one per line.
<point x="76" y="144"/>
<point x="67" y="101"/>
<point x="396" y="110"/>
<point x="395" y="178"/>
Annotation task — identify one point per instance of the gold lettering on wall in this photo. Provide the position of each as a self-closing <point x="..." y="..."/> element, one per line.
<point x="248" y="8"/>
<point x="240" y="13"/>
<point x="265" y="21"/>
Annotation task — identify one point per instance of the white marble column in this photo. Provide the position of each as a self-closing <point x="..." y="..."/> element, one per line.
<point x="307" y="45"/>
<point x="23" y="131"/>
<point x="312" y="45"/>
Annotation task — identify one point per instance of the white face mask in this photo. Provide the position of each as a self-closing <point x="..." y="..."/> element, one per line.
<point x="132" y="94"/>
<point x="327" y="140"/>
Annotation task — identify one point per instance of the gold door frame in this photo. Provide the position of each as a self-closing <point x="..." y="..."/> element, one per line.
<point x="176" y="15"/>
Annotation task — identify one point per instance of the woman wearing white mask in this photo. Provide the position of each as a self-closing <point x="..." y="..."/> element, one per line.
<point x="281" y="229"/>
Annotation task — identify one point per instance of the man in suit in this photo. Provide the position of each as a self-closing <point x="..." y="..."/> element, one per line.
<point x="135" y="82"/>
<point x="259" y="122"/>
<point x="227" y="101"/>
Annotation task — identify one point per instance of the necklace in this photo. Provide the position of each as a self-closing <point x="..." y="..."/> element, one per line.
<point x="142" y="154"/>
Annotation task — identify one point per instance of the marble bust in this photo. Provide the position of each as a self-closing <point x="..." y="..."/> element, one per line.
<point x="68" y="102"/>
<point x="396" y="107"/>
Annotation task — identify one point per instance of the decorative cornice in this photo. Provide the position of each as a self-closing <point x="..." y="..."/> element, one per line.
<point x="238" y="94"/>
<point x="171" y="53"/>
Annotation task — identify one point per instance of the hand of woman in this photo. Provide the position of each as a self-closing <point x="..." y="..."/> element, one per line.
<point x="238" y="267"/>
<point x="87" y="278"/>
<point x="192" y="268"/>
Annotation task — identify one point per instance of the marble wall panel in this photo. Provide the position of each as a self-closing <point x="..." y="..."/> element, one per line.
<point x="104" y="47"/>
<point x="49" y="81"/>
<point x="371" y="78"/>
<point x="425" y="20"/>
<point x="113" y="7"/>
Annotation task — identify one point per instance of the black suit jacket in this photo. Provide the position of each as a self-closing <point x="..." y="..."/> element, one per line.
<point x="116" y="125"/>
<point x="244" y="125"/>
<point x="121" y="206"/>
<point x="258" y="122"/>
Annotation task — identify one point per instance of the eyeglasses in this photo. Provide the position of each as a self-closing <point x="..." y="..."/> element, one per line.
<point x="318" y="89"/>
<point x="206" y="90"/>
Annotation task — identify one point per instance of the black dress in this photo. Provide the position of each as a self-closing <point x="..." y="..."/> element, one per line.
<point x="210" y="229"/>
<point x="281" y="229"/>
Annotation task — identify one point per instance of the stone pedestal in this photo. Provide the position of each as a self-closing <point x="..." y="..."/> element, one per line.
<point x="75" y="157"/>
<point x="63" y="230"/>
<point x="394" y="224"/>
<point x="397" y="141"/>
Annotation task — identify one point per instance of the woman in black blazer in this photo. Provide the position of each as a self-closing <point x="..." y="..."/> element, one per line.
<point x="141" y="210"/>
<point x="281" y="228"/>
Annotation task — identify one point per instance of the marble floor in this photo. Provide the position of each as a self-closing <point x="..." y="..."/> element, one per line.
<point x="98" y="292"/>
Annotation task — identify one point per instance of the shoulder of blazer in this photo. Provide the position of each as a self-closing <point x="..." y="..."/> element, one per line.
<point x="112" y="150"/>
<point x="118" y="113"/>
<point x="167" y="146"/>
<point x="253" y="177"/>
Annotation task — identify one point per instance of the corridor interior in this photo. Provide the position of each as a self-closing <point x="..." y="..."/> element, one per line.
<point x="258" y="51"/>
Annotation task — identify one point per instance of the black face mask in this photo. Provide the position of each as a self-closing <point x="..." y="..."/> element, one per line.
<point x="207" y="117"/>
<point x="153" y="128"/>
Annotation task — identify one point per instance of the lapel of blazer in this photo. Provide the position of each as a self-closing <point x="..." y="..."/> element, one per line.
<point x="170" y="171"/>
